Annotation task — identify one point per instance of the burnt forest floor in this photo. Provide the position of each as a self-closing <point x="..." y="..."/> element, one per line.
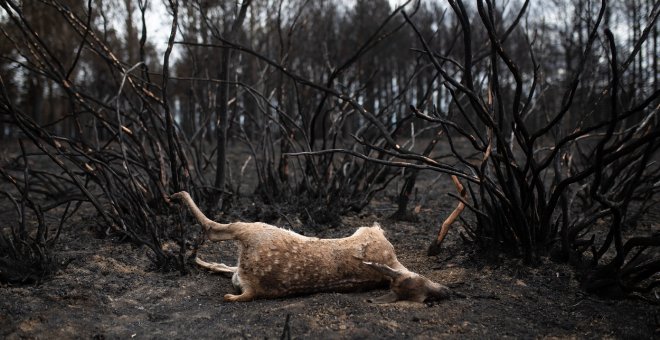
<point x="109" y="290"/>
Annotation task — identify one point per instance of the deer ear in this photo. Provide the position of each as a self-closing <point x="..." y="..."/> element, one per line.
<point x="384" y="269"/>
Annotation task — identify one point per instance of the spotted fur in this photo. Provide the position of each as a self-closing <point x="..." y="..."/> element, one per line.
<point x="275" y="262"/>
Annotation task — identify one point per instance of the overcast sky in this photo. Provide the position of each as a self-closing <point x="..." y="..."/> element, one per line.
<point x="159" y="23"/>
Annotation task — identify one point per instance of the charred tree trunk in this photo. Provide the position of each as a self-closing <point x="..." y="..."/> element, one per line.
<point x="222" y="108"/>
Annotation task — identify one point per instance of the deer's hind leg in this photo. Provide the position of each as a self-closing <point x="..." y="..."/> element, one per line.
<point x="248" y="294"/>
<point x="215" y="267"/>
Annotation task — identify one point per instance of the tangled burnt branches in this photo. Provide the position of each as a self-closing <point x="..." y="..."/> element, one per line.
<point x="544" y="179"/>
<point x="122" y="156"/>
<point x="122" y="133"/>
<point x="26" y="248"/>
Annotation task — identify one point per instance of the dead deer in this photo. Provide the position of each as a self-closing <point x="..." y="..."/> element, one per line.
<point x="275" y="262"/>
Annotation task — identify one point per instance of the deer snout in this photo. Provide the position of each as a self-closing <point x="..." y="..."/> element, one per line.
<point x="417" y="288"/>
<point x="436" y="291"/>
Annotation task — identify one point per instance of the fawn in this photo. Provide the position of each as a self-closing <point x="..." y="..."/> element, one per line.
<point x="275" y="262"/>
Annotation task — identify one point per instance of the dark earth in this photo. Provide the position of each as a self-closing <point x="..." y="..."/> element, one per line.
<point x="109" y="290"/>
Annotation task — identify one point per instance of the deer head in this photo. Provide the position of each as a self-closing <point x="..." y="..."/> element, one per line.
<point x="408" y="286"/>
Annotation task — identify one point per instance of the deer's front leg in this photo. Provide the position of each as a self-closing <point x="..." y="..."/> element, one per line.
<point x="216" y="267"/>
<point x="387" y="298"/>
